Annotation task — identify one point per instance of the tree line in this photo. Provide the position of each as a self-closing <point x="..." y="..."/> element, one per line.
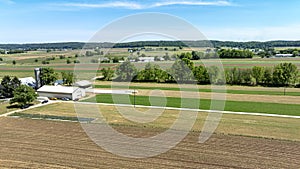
<point x="184" y="71"/>
<point x="200" y="43"/>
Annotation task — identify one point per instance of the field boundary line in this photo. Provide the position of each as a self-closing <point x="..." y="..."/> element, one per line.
<point x="196" y="110"/>
<point x="31" y="107"/>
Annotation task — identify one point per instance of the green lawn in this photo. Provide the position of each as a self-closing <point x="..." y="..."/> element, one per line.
<point x="257" y="92"/>
<point x="256" y="107"/>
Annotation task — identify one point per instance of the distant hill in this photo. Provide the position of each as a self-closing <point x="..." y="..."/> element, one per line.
<point x="213" y="43"/>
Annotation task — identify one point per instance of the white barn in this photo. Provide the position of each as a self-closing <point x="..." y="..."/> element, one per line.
<point x="61" y="91"/>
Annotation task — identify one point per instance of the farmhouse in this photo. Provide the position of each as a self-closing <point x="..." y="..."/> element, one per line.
<point x="61" y="91"/>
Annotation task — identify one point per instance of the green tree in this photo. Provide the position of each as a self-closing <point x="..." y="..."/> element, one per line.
<point x="9" y="86"/>
<point x="14" y="62"/>
<point x="295" y="53"/>
<point x="68" y="61"/>
<point x="151" y="73"/>
<point x="68" y="78"/>
<point x="285" y="74"/>
<point x="185" y="55"/>
<point x="23" y="95"/>
<point x="268" y="76"/>
<point x="115" y="60"/>
<point x="126" y="71"/>
<point x="258" y="74"/>
<point x="216" y="75"/>
<point x="201" y="74"/>
<point x="108" y="73"/>
<point x="181" y="70"/>
<point x="48" y="76"/>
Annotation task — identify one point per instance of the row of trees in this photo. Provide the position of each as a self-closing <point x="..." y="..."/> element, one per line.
<point x="184" y="71"/>
<point x="284" y="74"/>
<point x="234" y="53"/>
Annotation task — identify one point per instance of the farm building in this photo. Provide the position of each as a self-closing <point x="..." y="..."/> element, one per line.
<point x="283" y="55"/>
<point x="146" y="59"/>
<point x="61" y="91"/>
<point x="84" y="84"/>
<point x="28" y="81"/>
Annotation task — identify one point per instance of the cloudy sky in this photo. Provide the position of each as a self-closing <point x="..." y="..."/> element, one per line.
<point x="25" y="21"/>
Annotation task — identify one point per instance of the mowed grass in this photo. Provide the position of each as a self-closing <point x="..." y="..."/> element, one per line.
<point x="256" y="126"/>
<point x="4" y="107"/>
<point x="256" y="92"/>
<point x="236" y="106"/>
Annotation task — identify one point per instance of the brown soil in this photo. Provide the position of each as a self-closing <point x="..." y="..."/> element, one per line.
<point x="29" y="143"/>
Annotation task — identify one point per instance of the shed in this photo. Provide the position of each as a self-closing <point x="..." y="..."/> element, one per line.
<point x="83" y="84"/>
<point x="61" y="91"/>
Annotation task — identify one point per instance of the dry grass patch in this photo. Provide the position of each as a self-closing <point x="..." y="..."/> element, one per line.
<point x="257" y="126"/>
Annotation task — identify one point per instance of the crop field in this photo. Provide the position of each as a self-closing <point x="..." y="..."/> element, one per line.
<point x="239" y="142"/>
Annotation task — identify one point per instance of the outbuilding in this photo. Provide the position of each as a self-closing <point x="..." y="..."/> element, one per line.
<point x="28" y="81"/>
<point x="72" y="93"/>
<point x="84" y="84"/>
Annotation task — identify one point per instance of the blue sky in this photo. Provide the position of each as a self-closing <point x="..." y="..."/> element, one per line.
<point x="27" y="21"/>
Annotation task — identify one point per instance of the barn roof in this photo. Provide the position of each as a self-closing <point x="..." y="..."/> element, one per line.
<point x="83" y="83"/>
<point x="57" y="89"/>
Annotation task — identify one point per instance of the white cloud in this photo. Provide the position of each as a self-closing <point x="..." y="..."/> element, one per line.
<point x="137" y="5"/>
<point x="128" y="5"/>
<point x="7" y="1"/>
<point x="192" y="3"/>
<point x="289" y="32"/>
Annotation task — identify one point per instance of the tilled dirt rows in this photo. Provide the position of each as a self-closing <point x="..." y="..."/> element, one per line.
<point x="26" y="143"/>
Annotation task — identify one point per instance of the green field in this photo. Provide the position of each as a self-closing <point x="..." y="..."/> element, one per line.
<point x="237" y="106"/>
<point x="256" y="92"/>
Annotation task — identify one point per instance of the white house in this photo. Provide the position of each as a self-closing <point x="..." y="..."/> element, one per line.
<point x="61" y="91"/>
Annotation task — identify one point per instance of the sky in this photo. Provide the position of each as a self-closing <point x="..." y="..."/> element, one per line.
<point x="39" y="21"/>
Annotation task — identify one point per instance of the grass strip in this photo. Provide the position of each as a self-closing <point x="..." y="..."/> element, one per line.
<point x="237" y="106"/>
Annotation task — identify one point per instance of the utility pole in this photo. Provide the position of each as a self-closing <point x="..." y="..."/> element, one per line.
<point x="134" y="97"/>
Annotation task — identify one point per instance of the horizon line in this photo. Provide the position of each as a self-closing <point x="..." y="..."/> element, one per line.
<point x="53" y="42"/>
